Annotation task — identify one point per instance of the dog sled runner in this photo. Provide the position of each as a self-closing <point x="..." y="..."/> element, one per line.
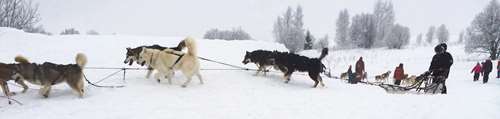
<point x="425" y="82"/>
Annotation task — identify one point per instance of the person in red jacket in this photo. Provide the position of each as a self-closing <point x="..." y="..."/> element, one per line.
<point x="399" y="74"/>
<point x="360" y="69"/>
<point x="476" y="70"/>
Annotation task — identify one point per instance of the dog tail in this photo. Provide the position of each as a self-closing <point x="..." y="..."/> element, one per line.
<point x="324" y="52"/>
<point x="81" y="60"/>
<point x="191" y="46"/>
<point x="21" y="59"/>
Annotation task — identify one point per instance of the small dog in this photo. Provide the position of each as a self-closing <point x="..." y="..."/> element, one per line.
<point x="410" y="80"/>
<point x="48" y="74"/>
<point x="133" y="54"/>
<point x="290" y="62"/>
<point x="344" y="76"/>
<point x="168" y="60"/>
<point x="261" y="58"/>
<point x="382" y="77"/>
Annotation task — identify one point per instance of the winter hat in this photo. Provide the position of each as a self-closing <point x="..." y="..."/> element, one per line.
<point x="439" y="49"/>
<point x="444" y="46"/>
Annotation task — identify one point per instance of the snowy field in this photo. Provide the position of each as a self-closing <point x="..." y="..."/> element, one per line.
<point x="239" y="94"/>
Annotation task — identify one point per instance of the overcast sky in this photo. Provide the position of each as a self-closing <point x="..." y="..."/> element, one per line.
<point x="194" y="17"/>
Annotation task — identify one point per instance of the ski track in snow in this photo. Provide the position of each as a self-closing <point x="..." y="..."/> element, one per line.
<point x="239" y="94"/>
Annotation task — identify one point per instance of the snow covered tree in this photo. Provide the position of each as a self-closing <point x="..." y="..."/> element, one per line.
<point x="309" y="41"/>
<point x="233" y="34"/>
<point x="461" y="37"/>
<point x="384" y="17"/>
<point x="398" y="37"/>
<point x="442" y="34"/>
<point x="288" y="29"/>
<point x="430" y="34"/>
<point x="419" y="39"/>
<point x="322" y="43"/>
<point x="472" y="44"/>
<point x="342" y="31"/>
<point x="363" y="31"/>
<point x="39" y="29"/>
<point x="484" y="31"/>
<point x="92" y="32"/>
<point x="19" y="14"/>
<point x="69" y="31"/>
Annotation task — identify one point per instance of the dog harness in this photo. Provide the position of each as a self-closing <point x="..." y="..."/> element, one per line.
<point x="176" y="61"/>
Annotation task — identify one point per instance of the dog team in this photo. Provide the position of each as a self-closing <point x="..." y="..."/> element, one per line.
<point x="165" y="61"/>
<point x="162" y="60"/>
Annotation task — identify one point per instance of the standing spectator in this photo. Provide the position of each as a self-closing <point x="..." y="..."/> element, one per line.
<point x="477" y="71"/>
<point x="360" y="69"/>
<point x="487" y="67"/>
<point x="399" y="73"/>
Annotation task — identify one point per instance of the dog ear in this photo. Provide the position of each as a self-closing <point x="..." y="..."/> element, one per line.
<point x="128" y="48"/>
<point x="247" y="52"/>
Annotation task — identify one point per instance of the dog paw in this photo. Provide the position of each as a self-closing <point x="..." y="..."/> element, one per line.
<point x="158" y="80"/>
<point x="46" y="96"/>
<point x="183" y="86"/>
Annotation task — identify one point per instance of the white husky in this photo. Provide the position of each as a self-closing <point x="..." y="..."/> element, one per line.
<point x="168" y="60"/>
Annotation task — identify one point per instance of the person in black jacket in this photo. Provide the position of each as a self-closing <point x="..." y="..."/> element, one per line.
<point x="440" y="65"/>
<point x="487" y="68"/>
<point x="351" y="76"/>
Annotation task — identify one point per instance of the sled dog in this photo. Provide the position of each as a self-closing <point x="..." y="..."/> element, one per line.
<point x="410" y="80"/>
<point x="48" y="74"/>
<point x="344" y="76"/>
<point x="382" y="77"/>
<point x="133" y="54"/>
<point x="7" y="72"/>
<point x="261" y="58"/>
<point x="168" y="60"/>
<point x="290" y="62"/>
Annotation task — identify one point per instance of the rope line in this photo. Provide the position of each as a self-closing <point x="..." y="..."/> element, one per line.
<point x="11" y="99"/>
<point x="100" y="86"/>
<point x="239" y="67"/>
<point x="124" y="69"/>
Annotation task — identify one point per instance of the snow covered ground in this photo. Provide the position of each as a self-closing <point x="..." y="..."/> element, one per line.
<point x="239" y="94"/>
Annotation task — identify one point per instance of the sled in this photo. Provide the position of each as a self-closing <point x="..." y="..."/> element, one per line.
<point x="424" y="83"/>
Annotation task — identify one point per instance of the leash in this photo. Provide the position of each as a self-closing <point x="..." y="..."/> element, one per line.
<point x="176" y="61"/>
<point x="239" y="67"/>
<point x="104" y="68"/>
<point x="206" y="59"/>
<point x="101" y="86"/>
<point x="14" y="100"/>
